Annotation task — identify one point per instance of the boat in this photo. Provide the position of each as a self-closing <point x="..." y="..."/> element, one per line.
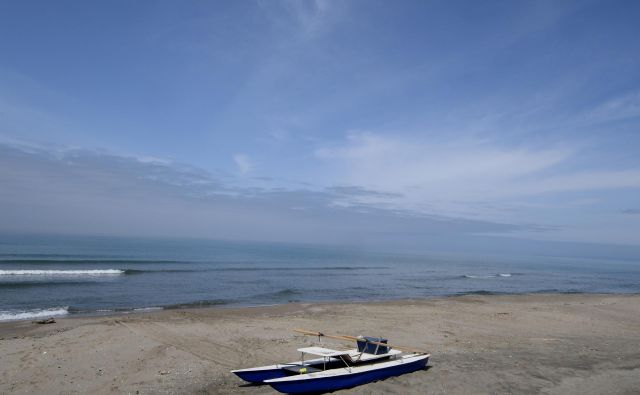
<point x="373" y="359"/>
<point x="353" y="356"/>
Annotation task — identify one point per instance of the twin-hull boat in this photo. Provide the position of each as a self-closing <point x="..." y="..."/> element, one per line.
<point x="262" y="373"/>
<point x="336" y="369"/>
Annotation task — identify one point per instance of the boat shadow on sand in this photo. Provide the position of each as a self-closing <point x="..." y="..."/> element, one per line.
<point x="426" y="368"/>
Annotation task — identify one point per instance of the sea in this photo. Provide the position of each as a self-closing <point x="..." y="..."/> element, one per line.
<point x="48" y="276"/>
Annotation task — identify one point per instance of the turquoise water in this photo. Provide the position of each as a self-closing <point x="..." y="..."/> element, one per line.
<point x="47" y="275"/>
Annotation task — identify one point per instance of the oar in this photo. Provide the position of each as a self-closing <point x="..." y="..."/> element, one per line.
<point x="353" y="338"/>
<point x="338" y="337"/>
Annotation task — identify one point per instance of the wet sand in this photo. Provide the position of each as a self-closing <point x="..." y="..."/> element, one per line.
<point x="548" y="344"/>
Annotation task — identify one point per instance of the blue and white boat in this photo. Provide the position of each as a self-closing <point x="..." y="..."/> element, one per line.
<point x="373" y="360"/>
<point x="330" y="358"/>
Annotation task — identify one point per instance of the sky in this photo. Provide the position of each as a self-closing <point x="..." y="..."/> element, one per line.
<point x="417" y="123"/>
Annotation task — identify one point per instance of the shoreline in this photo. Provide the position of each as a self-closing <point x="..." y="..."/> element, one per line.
<point x="116" y="312"/>
<point x="537" y="343"/>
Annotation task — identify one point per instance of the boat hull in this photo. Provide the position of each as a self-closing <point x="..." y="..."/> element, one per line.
<point x="258" y="376"/>
<point x="333" y="383"/>
<point x="262" y="373"/>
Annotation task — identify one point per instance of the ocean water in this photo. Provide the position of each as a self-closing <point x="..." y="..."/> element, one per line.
<point x="42" y="276"/>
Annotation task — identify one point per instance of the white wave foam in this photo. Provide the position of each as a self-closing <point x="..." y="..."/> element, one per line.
<point x="488" y="275"/>
<point x="25" y="315"/>
<point x="148" y="309"/>
<point x="28" y="272"/>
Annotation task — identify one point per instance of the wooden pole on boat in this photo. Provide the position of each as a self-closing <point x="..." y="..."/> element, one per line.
<point x="354" y="338"/>
<point x="319" y="334"/>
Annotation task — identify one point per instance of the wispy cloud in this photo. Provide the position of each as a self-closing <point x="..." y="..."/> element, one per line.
<point x="243" y="163"/>
<point x="620" y="107"/>
<point x="631" y="211"/>
<point x="462" y="176"/>
<point x="78" y="190"/>
<point x="312" y="17"/>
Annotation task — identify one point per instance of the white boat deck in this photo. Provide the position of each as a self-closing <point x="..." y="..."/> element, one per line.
<point x="352" y="354"/>
<point x="324" y="352"/>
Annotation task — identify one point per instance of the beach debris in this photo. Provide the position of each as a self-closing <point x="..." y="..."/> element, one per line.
<point x="46" y="321"/>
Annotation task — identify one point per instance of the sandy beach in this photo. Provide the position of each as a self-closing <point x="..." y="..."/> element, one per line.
<point x="549" y="344"/>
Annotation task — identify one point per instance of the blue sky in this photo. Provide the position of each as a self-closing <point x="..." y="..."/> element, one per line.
<point x="326" y="121"/>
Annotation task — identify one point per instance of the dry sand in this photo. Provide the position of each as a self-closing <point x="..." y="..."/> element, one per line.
<point x="549" y="344"/>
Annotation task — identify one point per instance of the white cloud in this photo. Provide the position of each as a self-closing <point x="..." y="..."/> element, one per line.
<point x="465" y="178"/>
<point x="310" y="18"/>
<point x="617" y="108"/>
<point x="311" y="15"/>
<point x="81" y="191"/>
<point x="243" y="163"/>
<point x="153" y="160"/>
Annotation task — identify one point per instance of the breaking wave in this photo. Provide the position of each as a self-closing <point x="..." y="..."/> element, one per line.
<point x="33" y="272"/>
<point x="79" y="259"/>
<point x="29" y="314"/>
<point x="487" y="275"/>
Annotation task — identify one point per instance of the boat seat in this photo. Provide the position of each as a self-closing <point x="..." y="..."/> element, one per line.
<point x="301" y="369"/>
